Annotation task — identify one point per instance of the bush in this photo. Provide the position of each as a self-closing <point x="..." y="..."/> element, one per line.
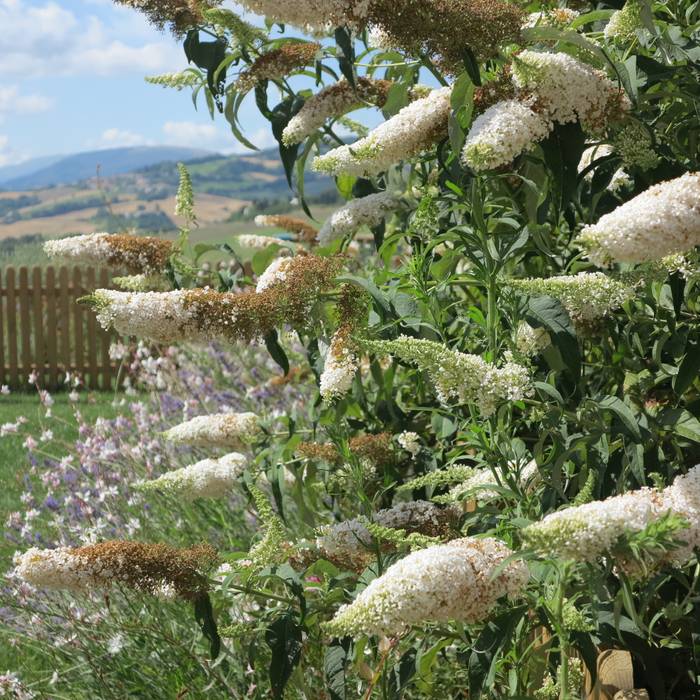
<point x="487" y="485"/>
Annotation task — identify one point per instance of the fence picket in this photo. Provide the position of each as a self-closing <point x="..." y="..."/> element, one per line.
<point x="38" y="357"/>
<point x="25" y="319"/>
<point x="105" y="338"/>
<point x="12" y="326"/>
<point x="64" y="325"/>
<point x="77" y="292"/>
<point x="2" y="335"/>
<point x="51" y="327"/>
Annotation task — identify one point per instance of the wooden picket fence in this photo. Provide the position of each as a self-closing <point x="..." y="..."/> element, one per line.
<point x="44" y="330"/>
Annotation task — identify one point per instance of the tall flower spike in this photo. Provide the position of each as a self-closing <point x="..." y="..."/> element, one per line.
<point x="662" y="220"/>
<point x="569" y="90"/>
<point x="202" y="315"/>
<point x="592" y="530"/>
<point x="364" y="211"/>
<point x="453" y="581"/>
<point x="216" y="430"/>
<point x="136" y="254"/>
<point x="149" y="568"/>
<point x="413" y="129"/>
<point x="503" y="132"/>
<point x="339" y="368"/>
<point x="208" y="478"/>
<point x="457" y="375"/>
<point x="586" y="296"/>
<point x="332" y="102"/>
<point x="277" y="63"/>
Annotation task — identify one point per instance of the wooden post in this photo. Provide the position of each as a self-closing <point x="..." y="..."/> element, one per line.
<point x="24" y="323"/>
<point x="38" y="313"/>
<point x="77" y="292"/>
<point x="64" y="312"/>
<point x="12" y="325"/>
<point x="51" y="328"/>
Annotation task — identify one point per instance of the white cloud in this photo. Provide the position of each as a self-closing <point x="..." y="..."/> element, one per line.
<point x="119" y="138"/>
<point x="193" y="134"/>
<point x="8" y="156"/>
<point x="12" y="102"/>
<point x="48" y="39"/>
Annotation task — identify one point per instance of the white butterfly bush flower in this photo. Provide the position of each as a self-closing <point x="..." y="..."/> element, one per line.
<point x="663" y="220"/>
<point x="586" y="296"/>
<point x="364" y="211"/>
<point x="529" y="340"/>
<point x="476" y="486"/>
<point x="275" y="273"/>
<point x="138" y="254"/>
<point x="457" y="375"/>
<point x="413" y="129"/>
<point x="568" y="89"/>
<point x="620" y="178"/>
<point x="208" y="478"/>
<point x="331" y="102"/>
<point x="503" y="132"/>
<point x="339" y="368"/>
<point x="409" y="441"/>
<point x="590" y="531"/>
<point x="215" y="430"/>
<point x="560" y="17"/>
<point x="258" y="242"/>
<point x="445" y="582"/>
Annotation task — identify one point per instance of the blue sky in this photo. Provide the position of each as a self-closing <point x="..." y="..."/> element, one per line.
<point x="71" y="79"/>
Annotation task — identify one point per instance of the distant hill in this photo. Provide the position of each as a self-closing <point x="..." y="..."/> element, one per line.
<point x="63" y="170"/>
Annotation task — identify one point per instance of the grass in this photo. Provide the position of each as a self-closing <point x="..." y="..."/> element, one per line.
<point x="63" y="424"/>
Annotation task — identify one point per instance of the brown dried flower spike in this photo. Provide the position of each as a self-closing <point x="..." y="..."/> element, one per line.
<point x="277" y="63"/>
<point x="177" y="15"/>
<point x="139" y="253"/>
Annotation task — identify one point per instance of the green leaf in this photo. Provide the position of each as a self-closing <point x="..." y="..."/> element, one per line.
<point x="204" y="614"/>
<point x="283" y="637"/>
<point x="335" y="661"/>
<point x="681" y="422"/>
<point x="276" y="351"/>
<point x="623" y="412"/>
<point x="547" y="312"/>
<point x="262" y="258"/>
<point x="688" y="369"/>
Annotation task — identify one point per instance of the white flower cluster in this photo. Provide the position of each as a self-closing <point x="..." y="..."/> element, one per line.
<point x="88" y="248"/>
<point x="159" y="316"/>
<point x="258" y="242"/>
<point x="275" y="273"/>
<point x="560" y="17"/>
<point x="550" y="87"/>
<point x="568" y="89"/>
<point x="409" y="441"/>
<point x="477" y="485"/>
<point x="503" y="132"/>
<point x="339" y="369"/>
<point x="453" y="581"/>
<point x="364" y="211"/>
<point x="413" y="129"/>
<point x="662" y="220"/>
<point x="215" y="430"/>
<point x="586" y="296"/>
<point x="55" y="569"/>
<point x="457" y="375"/>
<point x="351" y="541"/>
<point x="177" y="81"/>
<point x="624" y="23"/>
<point x="208" y="478"/>
<point x="619" y="179"/>
<point x="313" y="16"/>
<point x="331" y="102"/>
<point x="142" y="283"/>
<point x="589" y="531"/>
<point x="529" y="340"/>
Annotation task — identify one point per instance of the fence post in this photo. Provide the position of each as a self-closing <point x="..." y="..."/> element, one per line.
<point x="51" y="328"/>
<point x="64" y="310"/>
<point x="12" y="325"/>
<point x="39" y="364"/>
<point x="24" y="321"/>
